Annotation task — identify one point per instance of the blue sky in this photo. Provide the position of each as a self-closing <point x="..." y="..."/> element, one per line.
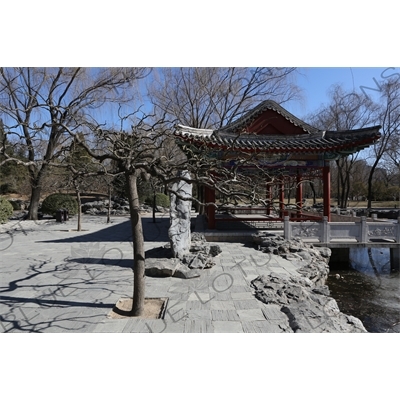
<point x="315" y="83"/>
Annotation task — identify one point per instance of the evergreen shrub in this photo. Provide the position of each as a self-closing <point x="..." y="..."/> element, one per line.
<point x="16" y="205"/>
<point x="162" y="200"/>
<point x="7" y="188"/>
<point x="6" y="210"/>
<point x="58" y="201"/>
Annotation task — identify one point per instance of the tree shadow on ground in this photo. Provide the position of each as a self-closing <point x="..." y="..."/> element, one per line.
<point x="53" y="302"/>
<point x="104" y="261"/>
<point x="159" y="252"/>
<point x="62" y="297"/>
<point x="121" y="232"/>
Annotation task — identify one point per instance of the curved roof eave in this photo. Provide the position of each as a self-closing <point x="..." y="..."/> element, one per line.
<point x="279" y="147"/>
<point x="189" y="131"/>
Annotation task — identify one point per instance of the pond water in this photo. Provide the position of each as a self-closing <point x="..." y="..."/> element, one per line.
<point x="369" y="290"/>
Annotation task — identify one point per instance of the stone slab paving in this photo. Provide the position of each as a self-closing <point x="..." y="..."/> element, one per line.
<point x="54" y="279"/>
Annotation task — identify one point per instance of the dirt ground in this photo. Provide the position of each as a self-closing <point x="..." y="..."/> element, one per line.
<point x="152" y="309"/>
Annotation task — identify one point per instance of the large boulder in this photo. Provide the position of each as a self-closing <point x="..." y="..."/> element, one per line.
<point x="181" y="204"/>
<point x="308" y="307"/>
<point x="304" y="299"/>
<point x="186" y="254"/>
<point x="160" y="261"/>
<point x="312" y="261"/>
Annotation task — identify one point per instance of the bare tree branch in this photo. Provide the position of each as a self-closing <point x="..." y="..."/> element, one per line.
<point x="36" y="104"/>
<point x="213" y="97"/>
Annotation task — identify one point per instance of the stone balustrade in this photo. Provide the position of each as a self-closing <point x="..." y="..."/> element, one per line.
<point x="346" y="232"/>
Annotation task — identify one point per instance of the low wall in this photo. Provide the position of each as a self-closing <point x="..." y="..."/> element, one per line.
<point x="383" y="213"/>
<point x="363" y="232"/>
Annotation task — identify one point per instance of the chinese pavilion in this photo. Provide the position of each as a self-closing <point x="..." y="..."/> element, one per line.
<point x="286" y="142"/>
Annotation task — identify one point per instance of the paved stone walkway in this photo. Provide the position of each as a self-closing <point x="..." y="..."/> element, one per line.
<point x="54" y="279"/>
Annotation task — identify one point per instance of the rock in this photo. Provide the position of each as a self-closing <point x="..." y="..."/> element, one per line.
<point x="312" y="317"/>
<point x="312" y="261"/>
<point x="291" y="257"/>
<point x="198" y="237"/>
<point x="184" y="272"/>
<point x="160" y="261"/>
<point x="325" y="252"/>
<point x="324" y="290"/>
<point x="179" y="231"/>
<point x="282" y="249"/>
<point x="160" y="269"/>
<point x="187" y="253"/>
<point x="317" y="272"/>
<point x="215" y="250"/>
<point x="307" y="306"/>
<point x="305" y="255"/>
<point x="197" y="263"/>
<point x="294" y="249"/>
<point x="100" y="207"/>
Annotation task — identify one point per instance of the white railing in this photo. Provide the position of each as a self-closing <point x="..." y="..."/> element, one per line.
<point x="350" y="232"/>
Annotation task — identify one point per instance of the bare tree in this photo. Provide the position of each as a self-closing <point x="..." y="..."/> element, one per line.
<point x="147" y="151"/>
<point x="346" y="111"/>
<point x="389" y="119"/>
<point x="137" y="155"/>
<point x="391" y="161"/>
<point x="37" y="103"/>
<point x="213" y="97"/>
<point x="82" y="173"/>
<point x="358" y="179"/>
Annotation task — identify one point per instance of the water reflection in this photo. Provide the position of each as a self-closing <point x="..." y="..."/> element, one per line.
<point x="369" y="290"/>
<point x="372" y="261"/>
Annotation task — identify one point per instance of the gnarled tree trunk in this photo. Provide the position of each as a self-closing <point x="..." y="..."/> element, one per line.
<point x="34" y="203"/>
<point x="79" y="201"/>
<point x="36" y="181"/>
<point x="109" y="204"/>
<point x="138" y="246"/>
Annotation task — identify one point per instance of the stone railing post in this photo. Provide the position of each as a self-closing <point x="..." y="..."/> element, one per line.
<point x="325" y="230"/>
<point x="363" y="238"/>
<point x="398" y="230"/>
<point x="286" y="228"/>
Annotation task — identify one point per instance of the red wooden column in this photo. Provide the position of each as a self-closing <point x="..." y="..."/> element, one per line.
<point x="269" y="198"/>
<point x="209" y="195"/>
<point x="326" y="178"/>
<point x="299" y="195"/>
<point x="281" y="199"/>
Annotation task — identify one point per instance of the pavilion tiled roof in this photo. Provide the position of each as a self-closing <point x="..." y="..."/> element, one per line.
<point x="235" y="137"/>
<point x="246" y="120"/>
